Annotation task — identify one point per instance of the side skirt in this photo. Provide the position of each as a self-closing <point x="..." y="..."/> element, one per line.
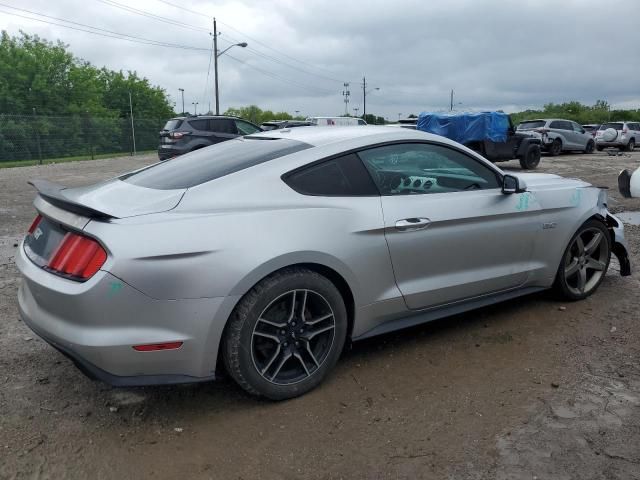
<point x="437" y="313"/>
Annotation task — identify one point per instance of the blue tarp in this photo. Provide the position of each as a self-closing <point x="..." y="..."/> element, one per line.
<point x="466" y="127"/>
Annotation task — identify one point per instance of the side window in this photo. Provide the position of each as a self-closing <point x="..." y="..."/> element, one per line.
<point x="411" y="168"/>
<point x="566" y="126"/>
<point x="343" y="176"/>
<point x="222" y="125"/>
<point x="199" y="124"/>
<point x="556" y="124"/>
<point x="576" y="128"/>
<point x="245" y="128"/>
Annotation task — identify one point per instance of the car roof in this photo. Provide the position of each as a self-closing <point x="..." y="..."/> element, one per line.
<point x="320" y="136"/>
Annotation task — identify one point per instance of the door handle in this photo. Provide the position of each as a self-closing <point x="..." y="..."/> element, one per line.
<point x="409" y="224"/>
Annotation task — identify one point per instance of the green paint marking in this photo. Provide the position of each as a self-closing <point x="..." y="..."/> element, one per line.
<point x="114" y="288"/>
<point x="523" y="203"/>
<point x="576" y="198"/>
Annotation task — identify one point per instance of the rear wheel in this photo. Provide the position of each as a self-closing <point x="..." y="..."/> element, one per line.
<point x="631" y="145"/>
<point x="585" y="261"/>
<point x="590" y="147"/>
<point x="531" y="158"/>
<point x="556" y="147"/>
<point x="286" y="334"/>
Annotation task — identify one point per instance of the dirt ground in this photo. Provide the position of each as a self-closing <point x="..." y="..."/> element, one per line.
<point x="528" y="389"/>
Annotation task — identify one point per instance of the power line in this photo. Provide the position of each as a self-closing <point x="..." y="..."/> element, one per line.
<point x="146" y="41"/>
<point x="108" y="33"/>
<point x="180" y="7"/>
<point x="154" y="16"/>
<point x="278" y="77"/>
<point x="202" y="29"/>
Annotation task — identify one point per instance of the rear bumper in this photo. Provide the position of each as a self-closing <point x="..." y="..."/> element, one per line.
<point x="97" y="323"/>
<point x="164" y="153"/>
<point x="600" y="143"/>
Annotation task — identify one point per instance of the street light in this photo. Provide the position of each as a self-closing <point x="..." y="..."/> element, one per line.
<point x="364" y="96"/>
<point x="182" y="92"/>
<point x="195" y="107"/>
<point x="215" y="62"/>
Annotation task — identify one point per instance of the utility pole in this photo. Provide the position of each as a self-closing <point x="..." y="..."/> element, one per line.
<point x="215" y="62"/>
<point x="345" y="94"/>
<point x="364" y="97"/>
<point x="133" y="130"/>
<point x="182" y="92"/>
<point x="451" y="102"/>
<point x="195" y="107"/>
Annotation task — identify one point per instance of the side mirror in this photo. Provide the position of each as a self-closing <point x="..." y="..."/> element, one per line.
<point x="512" y="184"/>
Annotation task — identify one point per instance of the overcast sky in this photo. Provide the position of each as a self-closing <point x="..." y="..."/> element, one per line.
<point x="507" y="55"/>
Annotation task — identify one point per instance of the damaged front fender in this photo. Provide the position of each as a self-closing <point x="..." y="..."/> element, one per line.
<point x="619" y="244"/>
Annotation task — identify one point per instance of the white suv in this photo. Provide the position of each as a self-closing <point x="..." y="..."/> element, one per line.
<point x="626" y="137"/>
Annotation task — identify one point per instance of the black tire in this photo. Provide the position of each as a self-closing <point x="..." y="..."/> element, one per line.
<point x="600" y="148"/>
<point x="573" y="281"/>
<point x="631" y="145"/>
<point x="531" y="158"/>
<point x="247" y="351"/>
<point x="556" y="148"/>
<point x="590" y="147"/>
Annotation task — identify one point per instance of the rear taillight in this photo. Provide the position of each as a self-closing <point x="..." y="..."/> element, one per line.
<point x="77" y="256"/>
<point x="177" y="134"/>
<point x="34" y="224"/>
<point x="542" y="130"/>
<point x="624" y="131"/>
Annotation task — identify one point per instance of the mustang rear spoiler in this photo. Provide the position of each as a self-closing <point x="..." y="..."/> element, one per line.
<point x="54" y="194"/>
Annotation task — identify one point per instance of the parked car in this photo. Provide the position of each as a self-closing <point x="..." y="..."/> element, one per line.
<point x="276" y="124"/>
<point x="271" y="251"/>
<point x="591" y="128"/>
<point x="560" y="135"/>
<point x="186" y="134"/>
<point x="489" y="133"/>
<point x="622" y="135"/>
<point x="336" y="121"/>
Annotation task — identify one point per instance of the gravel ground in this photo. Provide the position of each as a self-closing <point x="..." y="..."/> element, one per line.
<point x="527" y="389"/>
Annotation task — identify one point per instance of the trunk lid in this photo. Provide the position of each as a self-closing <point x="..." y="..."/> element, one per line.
<point x="110" y="199"/>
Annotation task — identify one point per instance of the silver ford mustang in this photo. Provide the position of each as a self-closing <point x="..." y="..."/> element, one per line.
<point x="268" y="252"/>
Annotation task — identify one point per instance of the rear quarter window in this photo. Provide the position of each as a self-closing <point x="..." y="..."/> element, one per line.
<point x="172" y="124"/>
<point x="344" y="176"/>
<point x="199" y="124"/>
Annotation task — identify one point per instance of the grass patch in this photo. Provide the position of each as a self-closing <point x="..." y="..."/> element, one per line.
<point x="79" y="158"/>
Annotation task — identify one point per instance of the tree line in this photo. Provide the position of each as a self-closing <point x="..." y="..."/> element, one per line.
<point x="53" y="104"/>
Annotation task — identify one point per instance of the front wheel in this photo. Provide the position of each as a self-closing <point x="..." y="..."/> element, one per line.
<point x="585" y="261"/>
<point x="531" y="158"/>
<point x="286" y="334"/>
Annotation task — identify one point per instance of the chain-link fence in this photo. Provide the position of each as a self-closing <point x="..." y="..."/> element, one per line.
<point x="39" y="138"/>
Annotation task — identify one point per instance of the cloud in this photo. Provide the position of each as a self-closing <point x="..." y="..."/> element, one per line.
<point x="494" y="54"/>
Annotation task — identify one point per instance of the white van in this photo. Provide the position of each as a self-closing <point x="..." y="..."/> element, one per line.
<point x="336" y="121"/>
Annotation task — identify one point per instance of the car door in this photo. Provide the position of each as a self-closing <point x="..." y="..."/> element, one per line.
<point x="452" y="233"/>
<point x="566" y="130"/>
<point x="222" y="129"/>
<point x="580" y="136"/>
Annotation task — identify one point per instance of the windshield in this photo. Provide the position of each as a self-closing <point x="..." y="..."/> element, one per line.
<point x="172" y="124"/>
<point x="530" y="125"/>
<point x="212" y="162"/>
